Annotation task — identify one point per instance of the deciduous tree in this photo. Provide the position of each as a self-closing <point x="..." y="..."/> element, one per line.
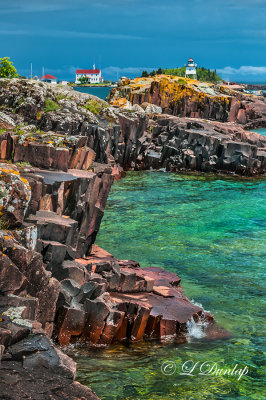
<point x="7" y="69"/>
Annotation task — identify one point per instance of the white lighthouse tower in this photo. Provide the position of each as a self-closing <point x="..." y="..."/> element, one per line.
<point x="191" y="69"/>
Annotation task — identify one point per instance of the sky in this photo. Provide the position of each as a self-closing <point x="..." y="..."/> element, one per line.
<point x="123" y="37"/>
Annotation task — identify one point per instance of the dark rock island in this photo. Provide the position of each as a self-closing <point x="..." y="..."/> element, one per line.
<point x="60" y="151"/>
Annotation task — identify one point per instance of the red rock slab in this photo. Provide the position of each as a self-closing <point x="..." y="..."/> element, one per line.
<point x="70" y="323"/>
<point x="162" y="277"/>
<point x="112" y="326"/>
<point x="78" y="173"/>
<point x="144" y="282"/>
<point x="164" y="291"/>
<point x="157" y="279"/>
<point x="99" y="255"/>
<point x="98" y="252"/>
<point x="51" y="177"/>
<point x="128" y="264"/>
<point x="140" y="323"/>
<point x="214" y="332"/>
<point x="178" y="308"/>
<point x="53" y="227"/>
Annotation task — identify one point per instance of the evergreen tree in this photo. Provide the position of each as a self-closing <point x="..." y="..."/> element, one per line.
<point x="144" y="74"/>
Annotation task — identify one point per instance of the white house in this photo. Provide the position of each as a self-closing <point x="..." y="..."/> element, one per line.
<point x="49" y="79"/>
<point x="93" y="75"/>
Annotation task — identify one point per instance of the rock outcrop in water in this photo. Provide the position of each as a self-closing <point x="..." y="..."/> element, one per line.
<point x="186" y="97"/>
<point x="53" y="282"/>
<point x="178" y="143"/>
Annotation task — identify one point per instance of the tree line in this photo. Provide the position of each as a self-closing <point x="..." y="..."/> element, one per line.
<point x="203" y="74"/>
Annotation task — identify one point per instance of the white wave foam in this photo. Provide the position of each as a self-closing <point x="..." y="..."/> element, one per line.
<point x="196" y="329"/>
<point x="198" y="305"/>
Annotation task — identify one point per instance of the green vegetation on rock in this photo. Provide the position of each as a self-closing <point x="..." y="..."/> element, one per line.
<point x="60" y="96"/>
<point x="50" y="105"/>
<point x="95" y="107"/>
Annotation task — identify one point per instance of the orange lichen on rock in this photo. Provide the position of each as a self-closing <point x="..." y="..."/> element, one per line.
<point x="176" y="95"/>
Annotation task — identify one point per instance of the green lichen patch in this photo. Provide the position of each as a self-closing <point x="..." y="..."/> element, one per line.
<point x="50" y="105"/>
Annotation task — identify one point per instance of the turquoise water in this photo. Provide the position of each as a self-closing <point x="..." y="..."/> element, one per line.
<point x="262" y="131"/>
<point x="101" y="91"/>
<point x="211" y="232"/>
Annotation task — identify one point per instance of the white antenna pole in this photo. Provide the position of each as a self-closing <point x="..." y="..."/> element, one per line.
<point x="30" y="70"/>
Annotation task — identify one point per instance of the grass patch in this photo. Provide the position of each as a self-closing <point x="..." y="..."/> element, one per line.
<point x="23" y="164"/>
<point x="60" y="96"/>
<point x="50" y="105"/>
<point x="95" y="107"/>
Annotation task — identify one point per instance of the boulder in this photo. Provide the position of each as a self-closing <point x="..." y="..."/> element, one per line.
<point x="15" y="195"/>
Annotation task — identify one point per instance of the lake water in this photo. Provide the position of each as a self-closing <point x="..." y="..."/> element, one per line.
<point x="101" y="91"/>
<point x="262" y="131"/>
<point x="211" y="231"/>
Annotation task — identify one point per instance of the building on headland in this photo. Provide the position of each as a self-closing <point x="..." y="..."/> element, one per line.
<point x="48" y="79"/>
<point x="191" y="69"/>
<point x="88" y="76"/>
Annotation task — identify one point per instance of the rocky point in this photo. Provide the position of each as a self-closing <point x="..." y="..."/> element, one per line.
<point x="60" y="151"/>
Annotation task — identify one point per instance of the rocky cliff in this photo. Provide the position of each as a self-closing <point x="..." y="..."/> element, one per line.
<point x="54" y="128"/>
<point x="55" y="283"/>
<point x="186" y="97"/>
<point x="60" y="151"/>
<point x="178" y="143"/>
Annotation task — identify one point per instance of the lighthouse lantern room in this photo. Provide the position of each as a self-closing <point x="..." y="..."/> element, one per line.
<point x="191" y="69"/>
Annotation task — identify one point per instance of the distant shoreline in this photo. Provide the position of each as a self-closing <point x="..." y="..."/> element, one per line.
<point x="94" y="85"/>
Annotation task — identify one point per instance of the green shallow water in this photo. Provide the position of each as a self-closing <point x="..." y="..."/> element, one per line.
<point x="211" y="232"/>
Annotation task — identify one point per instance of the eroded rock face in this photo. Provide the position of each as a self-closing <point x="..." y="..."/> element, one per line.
<point x="186" y="97"/>
<point x="83" y="131"/>
<point x="15" y="195"/>
<point x="55" y="219"/>
<point x="53" y="280"/>
<point x="183" y="143"/>
<point x="49" y="120"/>
<point x="122" y="302"/>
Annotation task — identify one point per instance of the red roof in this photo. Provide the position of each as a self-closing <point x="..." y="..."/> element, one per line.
<point x="190" y="60"/>
<point x="48" y="76"/>
<point x="87" y="71"/>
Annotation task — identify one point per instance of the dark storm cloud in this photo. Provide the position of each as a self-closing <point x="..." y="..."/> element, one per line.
<point x="126" y="36"/>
